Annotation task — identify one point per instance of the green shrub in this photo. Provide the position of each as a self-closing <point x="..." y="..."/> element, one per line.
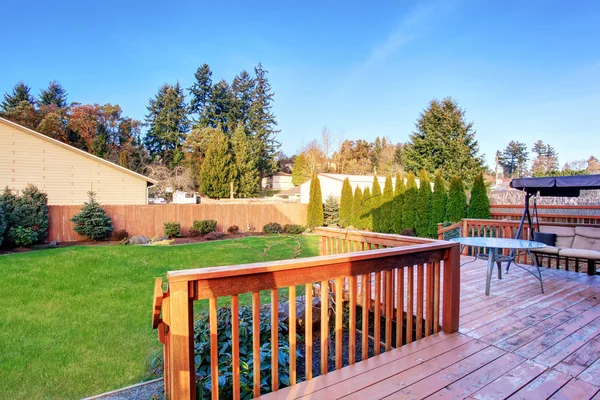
<point x="438" y="203"/>
<point x="399" y="193"/>
<point x="409" y="208"/>
<point x="346" y="204"/>
<point x="2" y="225"/>
<point x="423" y="206"/>
<point x="272" y="227"/>
<point x="357" y="206"/>
<point x="457" y="201"/>
<point x="376" y="203"/>
<point x="479" y="206"/>
<point x="294" y="229"/>
<point x="202" y="353"/>
<point x="120" y="235"/>
<point x="214" y="235"/>
<point x="314" y="210"/>
<point x="386" y="222"/>
<point x="366" y="219"/>
<point x="331" y="211"/>
<point x="171" y="229"/>
<point x="29" y="210"/>
<point x="233" y="229"/>
<point x="193" y="232"/>
<point x="92" y="221"/>
<point x="22" y="237"/>
<point x="205" y="226"/>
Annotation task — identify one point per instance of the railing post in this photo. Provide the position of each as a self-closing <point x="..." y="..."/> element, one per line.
<point x="451" y="289"/>
<point x="465" y="233"/>
<point x="440" y="235"/>
<point x="591" y="269"/>
<point x="181" y="343"/>
<point x="323" y="246"/>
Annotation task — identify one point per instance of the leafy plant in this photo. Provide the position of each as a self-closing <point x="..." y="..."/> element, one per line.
<point x="233" y="229"/>
<point x="2" y="224"/>
<point x="29" y="210"/>
<point x="92" y="221"/>
<point x="331" y="211"/>
<point x="315" y="203"/>
<point x="409" y="207"/>
<point x="272" y="227"/>
<point x="457" y="201"/>
<point x="423" y="206"/>
<point x="120" y="235"/>
<point x="214" y="235"/>
<point x="357" y="208"/>
<point x="171" y="229"/>
<point x="294" y="229"/>
<point x="479" y="206"/>
<point x="193" y="232"/>
<point x="346" y="204"/>
<point x="205" y="226"/>
<point x="22" y="237"/>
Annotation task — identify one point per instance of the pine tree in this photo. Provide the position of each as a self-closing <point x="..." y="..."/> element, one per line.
<point x="218" y="169"/>
<point x="366" y="214"/>
<point x="20" y="93"/>
<point x="387" y="198"/>
<point x="2" y="225"/>
<point x="200" y="91"/>
<point x="218" y="111"/>
<point x="399" y="194"/>
<point x="54" y="95"/>
<point x="331" y="211"/>
<point x="300" y="170"/>
<point x="346" y="204"/>
<point x="357" y="207"/>
<point x="438" y="203"/>
<point x="92" y="221"/>
<point x="457" y="201"/>
<point x="315" y="204"/>
<point x="243" y="92"/>
<point x="246" y="182"/>
<point x="376" y="205"/>
<point x="410" y="203"/>
<point x="167" y="124"/>
<point x="423" y="206"/>
<point x="479" y="206"/>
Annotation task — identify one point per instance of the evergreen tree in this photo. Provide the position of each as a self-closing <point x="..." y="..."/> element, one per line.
<point x="376" y="202"/>
<point x="300" y="170"/>
<point x="479" y="206"/>
<point x="423" y="206"/>
<point x="357" y="206"/>
<point x="457" y="201"/>
<point x="399" y="194"/>
<point x="200" y="91"/>
<point x="315" y="204"/>
<point x="387" y="198"/>
<point x="54" y="94"/>
<point x="513" y="159"/>
<point x="218" y="169"/>
<point x="366" y="213"/>
<point x="346" y="204"/>
<point x="218" y="112"/>
<point x="444" y="139"/>
<point x="331" y="211"/>
<point x="410" y="203"/>
<point x="245" y="163"/>
<point x="2" y="225"/>
<point x="20" y="93"/>
<point x="92" y="221"/>
<point x="167" y="124"/>
<point x="243" y="90"/>
<point x="438" y="203"/>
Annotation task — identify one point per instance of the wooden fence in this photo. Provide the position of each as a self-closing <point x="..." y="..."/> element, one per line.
<point x="148" y="220"/>
<point x="550" y="213"/>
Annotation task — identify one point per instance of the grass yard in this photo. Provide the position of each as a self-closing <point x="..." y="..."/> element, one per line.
<point x="76" y="321"/>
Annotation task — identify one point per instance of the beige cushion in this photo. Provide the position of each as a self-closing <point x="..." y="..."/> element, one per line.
<point x="586" y="243"/>
<point x="580" y="253"/>
<point x="588" y="231"/>
<point x="564" y="234"/>
<point x="546" y="250"/>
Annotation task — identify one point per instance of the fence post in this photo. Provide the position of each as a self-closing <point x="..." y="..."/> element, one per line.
<point x="181" y="342"/>
<point x="451" y="289"/>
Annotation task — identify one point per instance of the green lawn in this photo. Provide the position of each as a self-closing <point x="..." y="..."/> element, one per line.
<point x="76" y="321"/>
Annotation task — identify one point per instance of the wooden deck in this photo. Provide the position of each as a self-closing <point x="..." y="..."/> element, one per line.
<point x="515" y="343"/>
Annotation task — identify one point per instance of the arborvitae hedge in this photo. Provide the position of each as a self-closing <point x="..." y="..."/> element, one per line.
<point x="366" y="215"/>
<point x="479" y="207"/>
<point x="376" y="205"/>
<point x="315" y="204"/>
<point x="357" y="208"/>
<point x="423" y="206"/>
<point x="346" y="204"/>
<point x="439" y="201"/>
<point x="386" y="221"/>
<point x="410" y="201"/>
<point x="457" y="201"/>
<point x="398" y="202"/>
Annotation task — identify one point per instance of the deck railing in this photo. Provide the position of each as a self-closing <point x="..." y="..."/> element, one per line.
<point x="373" y="272"/>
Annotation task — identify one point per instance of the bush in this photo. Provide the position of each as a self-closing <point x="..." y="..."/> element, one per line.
<point x="408" y="232"/>
<point x="294" y="229"/>
<point x="120" y="235"/>
<point x="233" y="229"/>
<point x="193" y="232"/>
<point x="376" y="202"/>
<point x="438" y="203"/>
<point x="2" y="224"/>
<point x="272" y="227"/>
<point x="479" y="206"/>
<point x="205" y="226"/>
<point x="29" y="210"/>
<point x="214" y="235"/>
<point x="331" y="211"/>
<point x="409" y="207"/>
<point x="92" y="221"/>
<point x="202" y="353"/>
<point x="172" y="229"/>
<point x="314" y="209"/>
<point x="346" y="204"/>
<point x="423" y="206"/>
<point x="457" y="201"/>
<point x="22" y="237"/>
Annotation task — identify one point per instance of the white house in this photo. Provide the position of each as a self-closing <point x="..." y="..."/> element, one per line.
<point x="331" y="184"/>
<point x="277" y="181"/>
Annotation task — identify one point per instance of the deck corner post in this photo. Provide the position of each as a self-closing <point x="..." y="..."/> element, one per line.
<point x="591" y="267"/>
<point x="181" y="343"/>
<point x="451" y="286"/>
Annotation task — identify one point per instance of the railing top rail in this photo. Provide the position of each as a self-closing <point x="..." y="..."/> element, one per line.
<point x="515" y="222"/>
<point x="450" y="227"/>
<point x="351" y="234"/>
<point x="197" y="274"/>
<point x="549" y="206"/>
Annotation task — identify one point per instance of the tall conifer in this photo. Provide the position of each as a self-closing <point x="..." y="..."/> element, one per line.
<point x="346" y="204"/>
<point x="438" y="203"/>
<point x="457" y="201"/>
<point x="398" y="202"/>
<point x="315" y="216"/>
<point x="479" y="206"/>
<point x="366" y="214"/>
<point x="387" y="198"/>
<point x="357" y="206"/>
<point x="410" y="202"/>
<point x="376" y="202"/>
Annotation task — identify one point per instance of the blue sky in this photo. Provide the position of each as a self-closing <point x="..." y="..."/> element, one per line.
<point x="523" y="70"/>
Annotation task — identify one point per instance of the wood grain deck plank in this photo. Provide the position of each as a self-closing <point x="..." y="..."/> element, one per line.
<point x="543" y="386"/>
<point x="575" y="389"/>
<point x="510" y="383"/>
<point x="583" y="358"/>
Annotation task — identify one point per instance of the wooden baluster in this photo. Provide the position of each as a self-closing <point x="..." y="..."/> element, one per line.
<point x="324" y="326"/>
<point x="409" y="304"/>
<point x="362" y="246"/>
<point x="292" y="333"/>
<point x="274" y="339"/>
<point x="352" y="315"/>
<point x="338" y="323"/>
<point x="181" y="340"/>
<point x="323" y="251"/>
<point x="429" y="296"/>
<point x="436" y="300"/>
<point x="420" y="273"/>
<point x="366" y="298"/>
<point x="308" y="323"/>
<point x="399" y="306"/>
<point x="451" y="307"/>
<point x="214" y="347"/>
<point x="389" y="308"/>
<point x="235" y="345"/>
<point x="256" y="341"/>
<point x="377" y="325"/>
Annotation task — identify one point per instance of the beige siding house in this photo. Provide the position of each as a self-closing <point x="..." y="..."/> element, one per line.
<point x="65" y="173"/>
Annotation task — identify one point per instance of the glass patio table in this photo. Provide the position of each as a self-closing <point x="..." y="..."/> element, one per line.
<point x="495" y="256"/>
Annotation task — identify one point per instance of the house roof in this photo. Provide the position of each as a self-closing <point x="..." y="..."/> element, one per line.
<point x="76" y="150"/>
